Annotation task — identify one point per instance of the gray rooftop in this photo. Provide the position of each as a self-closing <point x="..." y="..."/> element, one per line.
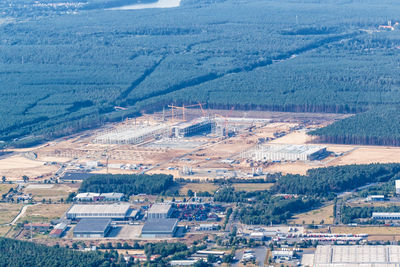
<point x="159" y="225"/>
<point x="92" y="225"/>
<point x="100" y="210"/>
<point x="160" y="208"/>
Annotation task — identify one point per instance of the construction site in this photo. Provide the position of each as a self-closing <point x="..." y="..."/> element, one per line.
<point x="193" y="143"/>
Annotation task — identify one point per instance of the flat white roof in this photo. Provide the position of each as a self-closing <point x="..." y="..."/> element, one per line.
<point x="82" y="195"/>
<point x="335" y="256"/>
<point x="100" y="209"/>
<point x="290" y="149"/>
<point x="160" y="208"/>
<point x="391" y="214"/>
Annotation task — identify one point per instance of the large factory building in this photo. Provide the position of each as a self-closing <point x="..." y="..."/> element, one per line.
<point x="285" y="153"/>
<point x="115" y="211"/>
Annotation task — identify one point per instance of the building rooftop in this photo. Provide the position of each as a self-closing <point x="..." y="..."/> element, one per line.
<point x="113" y="195"/>
<point x="160" y="208"/>
<point x="92" y="225"/>
<point x="385" y="214"/>
<point x="291" y="149"/>
<point x="88" y="194"/>
<point x="366" y="256"/>
<point x="159" y="225"/>
<point x="100" y="209"/>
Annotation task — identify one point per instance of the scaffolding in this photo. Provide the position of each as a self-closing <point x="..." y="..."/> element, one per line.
<point x="132" y="135"/>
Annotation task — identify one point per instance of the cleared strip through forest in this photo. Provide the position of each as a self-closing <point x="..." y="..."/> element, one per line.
<point x="139" y="80"/>
<point x="213" y="76"/>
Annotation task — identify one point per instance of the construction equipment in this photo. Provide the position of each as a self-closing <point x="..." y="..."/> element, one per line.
<point x="183" y="108"/>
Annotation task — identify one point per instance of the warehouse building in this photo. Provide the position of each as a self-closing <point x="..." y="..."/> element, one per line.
<point x="159" y="228"/>
<point x="386" y="215"/>
<point x="93" y="197"/>
<point x="278" y="153"/>
<point x="111" y="211"/>
<point x="92" y="228"/>
<point x="159" y="211"/>
<point x="356" y="256"/>
<point x="203" y="125"/>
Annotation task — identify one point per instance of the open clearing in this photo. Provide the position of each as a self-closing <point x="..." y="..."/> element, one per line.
<point x="249" y="187"/>
<point x="315" y="216"/>
<point x="8" y="212"/>
<point x="4" y="230"/>
<point x="15" y="167"/>
<point x="55" y="193"/>
<point x="198" y="187"/>
<point x="373" y="230"/>
<point x="44" y="212"/>
<point x="4" y="188"/>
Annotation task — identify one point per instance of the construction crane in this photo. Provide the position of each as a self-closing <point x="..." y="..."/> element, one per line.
<point x="183" y="108"/>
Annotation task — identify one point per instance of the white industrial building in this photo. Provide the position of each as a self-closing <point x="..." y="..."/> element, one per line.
<point x="285" y="152"/>
<point x="398" y="187"/>
<point x="386" y="215"/>
<point x="355" y="256"/>
<point x="132" y="135"/>
<point x="112" y="211"/>
<point x="159" y="211"/>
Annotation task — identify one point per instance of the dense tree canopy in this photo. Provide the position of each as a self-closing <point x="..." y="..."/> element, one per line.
<point x="14" y="253"/>
<point x="128" y="183"/>
<point x="325" y="181"/>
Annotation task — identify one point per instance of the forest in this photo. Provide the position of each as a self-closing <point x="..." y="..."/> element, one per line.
<point x="329" y="181"/>
<point x="64" y="67"/>
<point x="15" y="253"/>
<point x="374" y="127"/>
<point x="128" y="184"/>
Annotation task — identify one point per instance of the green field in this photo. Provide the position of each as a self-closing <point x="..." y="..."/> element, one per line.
<point x="65" y="68"/>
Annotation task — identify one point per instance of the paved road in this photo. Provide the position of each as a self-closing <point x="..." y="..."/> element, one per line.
<point x="21" y="213"/>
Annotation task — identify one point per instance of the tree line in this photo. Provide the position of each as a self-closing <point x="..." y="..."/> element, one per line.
<point x="128" y="184"/>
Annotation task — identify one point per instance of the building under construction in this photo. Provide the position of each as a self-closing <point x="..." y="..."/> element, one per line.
<point x="132" y="135"/>
<point x="185" y="129"/>
<point x="276" y="153"/>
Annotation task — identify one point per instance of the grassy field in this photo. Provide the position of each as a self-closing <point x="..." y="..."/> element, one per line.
<point x="8" y="212"/>
<point x="316" y="216"/>
<point x="373" y="230"/>
<point x="197" y="187"/>
<point x="252" y="186"/>
<point x="4" y="230"/>
<point x="45" y="212"/>
<point x="4" y="188"/>
<point x="55" y="193"/>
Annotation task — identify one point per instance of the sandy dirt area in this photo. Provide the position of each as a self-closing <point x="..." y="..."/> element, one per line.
<point x="15" y="167"/>
<point x="315" y="216"/>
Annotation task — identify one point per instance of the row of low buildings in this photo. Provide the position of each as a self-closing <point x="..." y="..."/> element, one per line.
<point x="96" y="197"/>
